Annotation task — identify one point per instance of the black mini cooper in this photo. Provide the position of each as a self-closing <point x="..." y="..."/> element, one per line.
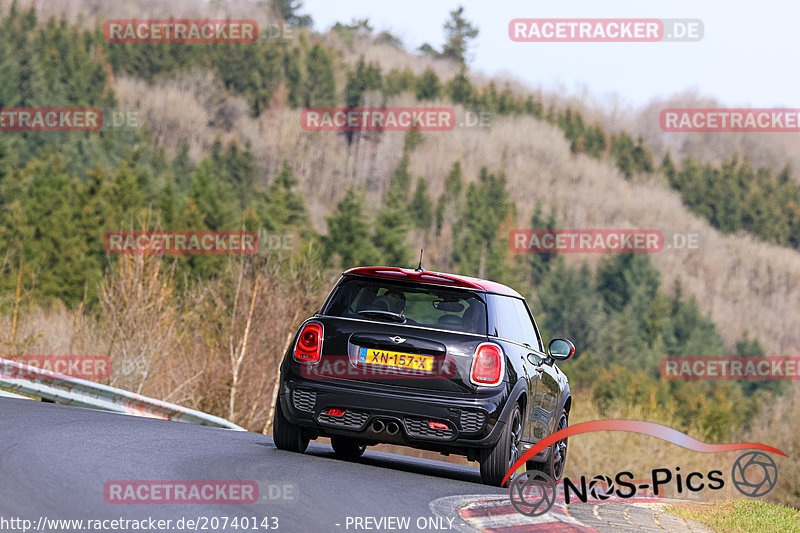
<point x="429" y="360"/>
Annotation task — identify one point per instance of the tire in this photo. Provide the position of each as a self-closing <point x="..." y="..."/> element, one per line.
<point x="347" y="448"/>
<point x="496" y="461"/>
<point x="287" y="436"/>
<point x="557" y="459"/>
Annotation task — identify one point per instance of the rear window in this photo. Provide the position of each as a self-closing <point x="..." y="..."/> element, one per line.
<point x="410" y="304"/>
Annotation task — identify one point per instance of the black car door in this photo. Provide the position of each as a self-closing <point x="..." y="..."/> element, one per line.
<point x="544" y="401"/>
<point x="512" y="334"/>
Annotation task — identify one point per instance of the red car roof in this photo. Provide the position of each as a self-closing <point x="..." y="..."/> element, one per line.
<point x="439" y="278"/>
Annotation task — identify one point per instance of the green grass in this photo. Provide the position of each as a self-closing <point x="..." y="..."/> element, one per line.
<point x="741" y="516"/>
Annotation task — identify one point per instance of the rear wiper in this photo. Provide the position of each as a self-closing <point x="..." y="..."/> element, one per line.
<point x="383" y="315"/>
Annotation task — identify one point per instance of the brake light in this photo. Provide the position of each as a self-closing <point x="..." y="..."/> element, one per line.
<point x="335" y="412"/>
<point x="437" y="425"/>
<point x="309" y="343"/>
<point x="487" y="365"/>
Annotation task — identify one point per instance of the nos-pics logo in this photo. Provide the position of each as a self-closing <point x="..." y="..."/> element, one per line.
<point x="534" y="493"/>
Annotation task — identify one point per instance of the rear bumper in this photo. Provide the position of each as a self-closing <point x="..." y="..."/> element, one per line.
<point x="472" y="422"/>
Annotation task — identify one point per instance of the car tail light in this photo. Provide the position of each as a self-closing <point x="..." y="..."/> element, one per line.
<point x="437" y="425"/>
<point x="334" y="412"/>
<point x="309" y="343"/>
<point x="487" y="365"/>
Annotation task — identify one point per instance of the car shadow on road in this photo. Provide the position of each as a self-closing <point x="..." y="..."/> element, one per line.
<point x="404" y="463"/>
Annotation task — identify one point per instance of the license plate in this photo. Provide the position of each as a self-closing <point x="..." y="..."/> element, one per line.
<point x="408" y="361"/>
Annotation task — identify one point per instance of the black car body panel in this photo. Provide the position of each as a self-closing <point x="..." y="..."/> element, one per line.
<point x="469" y="416"/>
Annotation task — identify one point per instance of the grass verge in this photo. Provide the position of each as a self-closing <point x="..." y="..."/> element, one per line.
<point x="741" y="516"/>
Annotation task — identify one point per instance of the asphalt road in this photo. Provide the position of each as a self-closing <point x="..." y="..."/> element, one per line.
<point x="59" y="463"/>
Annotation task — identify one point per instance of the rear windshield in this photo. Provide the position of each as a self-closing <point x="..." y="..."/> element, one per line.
<point x="410" y="304"/>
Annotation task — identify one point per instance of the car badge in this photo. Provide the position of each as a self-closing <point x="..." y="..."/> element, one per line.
<point x="397" y="339"/>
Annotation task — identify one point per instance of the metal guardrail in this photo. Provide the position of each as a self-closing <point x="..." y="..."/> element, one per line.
<point x="67" y="390"/>
<point x="6" y="394"/>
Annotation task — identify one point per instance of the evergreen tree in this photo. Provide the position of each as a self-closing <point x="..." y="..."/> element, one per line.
<point x="7" y="157"/>
<point x="399" y="81"/>
<point x="240" y="170"/>
<point x="428" y="85"/>
<point x="642" y="158"/>
<point x="507" y="102"/>
<point x="668" y="167"/>
<point x="459" y="32"/>
<point x="364" y="78"/>
<point x="460" y="89"/>
<point x="571" y="122"/>
<point x="392" y="224"/>
<point x="97" y="214"/>
<point x="447" y="205"/>
<point x="412" y="139"/>
<point x="479" y="249"/>
<point x="360" y="80"/>
<point x="214" y="199"/>
<point x="748" y="347"/>
<point x="288" y="11"/>
<point x="622" y="148"/>
<point x="540" y="263"/>
<point x="348" y="32"/>
<point x="751" y="347"/>
<point x="168" y="205"/>
<point x="193" y="217"/>
<point x="619" y="276"/>
<point x="620" y="342"/>
<point x="349" y="233"/>
<point x="533" y="107"/>
<point x="182" y="166"/>
<point x="399" y="191"/>
<point x="295" y="80"/>
<point x="387" y="37"/>
<point x="421" y="208"/>
<point x="285" y="209"/>
<point x="487" y="99"/>
<point x="320" y="82"/>
<point x="427" y="50"/>
<point x="42" y="229"/>
<point x="569" y="305"/>
<point x="441" y="206"/>
<point x="594" y="141"/>
<point x="126" y="197"/>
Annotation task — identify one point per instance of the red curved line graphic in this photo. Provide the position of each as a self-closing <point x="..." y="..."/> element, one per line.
<point x="635" y="426"/>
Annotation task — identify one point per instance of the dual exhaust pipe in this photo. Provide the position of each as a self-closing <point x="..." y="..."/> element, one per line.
<point x="390" y="427"/>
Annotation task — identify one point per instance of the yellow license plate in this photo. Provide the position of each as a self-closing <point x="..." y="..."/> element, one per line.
<point x="409" y="361"/>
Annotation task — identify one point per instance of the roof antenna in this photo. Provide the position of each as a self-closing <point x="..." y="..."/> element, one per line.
<point x="419" y="267"/>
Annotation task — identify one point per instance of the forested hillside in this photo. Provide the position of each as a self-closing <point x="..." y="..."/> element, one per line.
<point x="220" y="147"/>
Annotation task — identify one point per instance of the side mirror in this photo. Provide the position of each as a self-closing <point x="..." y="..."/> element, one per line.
<point x="561" y="349"/>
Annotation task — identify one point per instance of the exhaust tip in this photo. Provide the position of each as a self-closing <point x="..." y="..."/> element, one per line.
<point x="377" y="426"/>
<point x="392" y="428"/>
